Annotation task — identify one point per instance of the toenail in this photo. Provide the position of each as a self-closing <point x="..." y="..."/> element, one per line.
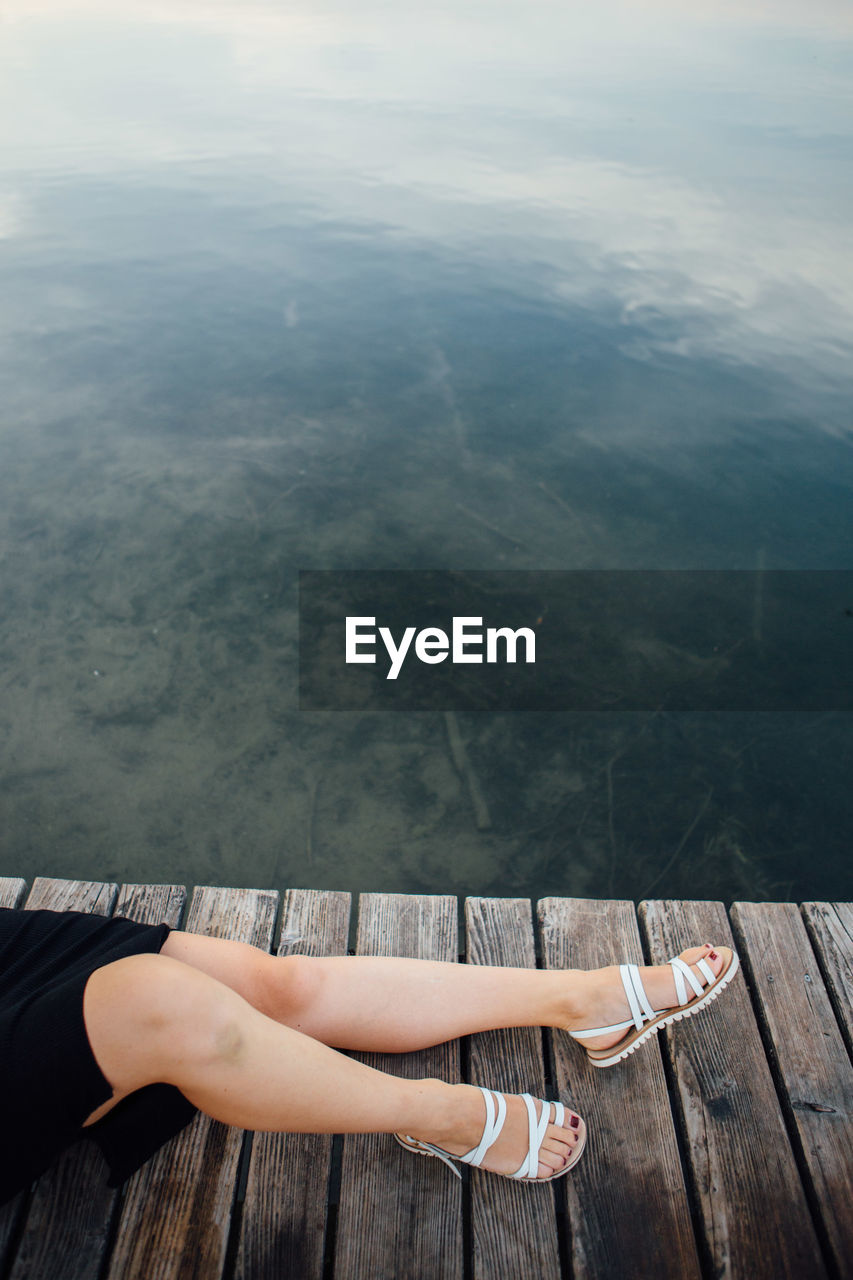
<point x="712" y="955"/>
<point x="574" y="1123"/>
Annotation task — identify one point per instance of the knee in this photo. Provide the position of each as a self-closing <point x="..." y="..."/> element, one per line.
<point x="287" y="985"/>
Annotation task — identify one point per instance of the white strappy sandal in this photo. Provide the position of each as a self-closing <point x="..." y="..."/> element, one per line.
<point x="647" y="1021"/>
<point x="495" y="1116"/>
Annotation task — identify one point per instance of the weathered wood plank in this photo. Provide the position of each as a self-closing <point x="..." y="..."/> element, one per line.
<point x="94" y="896"/>
<point x="755" y="1220"/>
<point x="400" y="1216"/>
<point x="808" y="1058"/>
<point x="627" y="1201"/>
<point x="513" y="1227"/>
<point x="830" y="926"/>
<point x="152" y="903"/>
<point x="12" y="891"/>
<point x="176" y="1214"/>
<point x="69" y="1213"/>
<point x="282" y="1232"/>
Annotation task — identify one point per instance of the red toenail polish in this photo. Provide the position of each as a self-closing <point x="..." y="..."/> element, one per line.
<point x="712" y="955"/>
<point x="574" y="1123"/>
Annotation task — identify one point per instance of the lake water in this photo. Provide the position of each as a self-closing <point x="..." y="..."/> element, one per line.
<point x="515" y="285"/>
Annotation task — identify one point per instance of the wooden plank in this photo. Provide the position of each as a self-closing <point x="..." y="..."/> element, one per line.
<point x="808" y="1058"/>
<point x="12" y="891"/>
<point x="152" y="903"/>
<point x="94" y="896"/>
<point x="752" y="1207"/>
<point x="628" y="1205"/>
<point x="69" y="1212"/>
<point x="830" y="926"/>
<point x="513" y="1227"/>
<point x="177" y="1208"/>
<point x="400" y="1216"/>
<point x="283" y="1227"/>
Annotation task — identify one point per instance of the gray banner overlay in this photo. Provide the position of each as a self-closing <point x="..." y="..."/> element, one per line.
<point x="585" y="640"/>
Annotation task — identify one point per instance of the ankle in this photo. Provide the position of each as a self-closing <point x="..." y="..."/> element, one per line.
<point x="577" y="995"/>
<point x="441" y="1112"/>
<point x="457" y="1116"/>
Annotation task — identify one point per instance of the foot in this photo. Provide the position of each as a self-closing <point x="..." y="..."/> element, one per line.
<point x="464" y="1130"/>
<point x="604" y="1004"/>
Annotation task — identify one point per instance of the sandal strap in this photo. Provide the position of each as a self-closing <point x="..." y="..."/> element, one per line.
<point x="601" y="1031"/>
<point x="536" y="1126"/>
<point x="679" y="967"/>
<point x="495" y="1117"/>
<point x="638" y="1001"/>
<point x="680" y="986"/>
<point x="444" y="1156"/>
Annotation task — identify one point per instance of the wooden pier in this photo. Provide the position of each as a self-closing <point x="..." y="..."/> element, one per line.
<point x="723" y="1149"/>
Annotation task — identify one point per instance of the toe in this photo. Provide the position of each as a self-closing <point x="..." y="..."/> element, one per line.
<point x="558" y="1146"/>
<point x="560" y="1143"/>
<point x="693" y="954"/>
<point x="562" y="1138"/>
<point x="549" y="1162"/>
<point x="709" y="954"/>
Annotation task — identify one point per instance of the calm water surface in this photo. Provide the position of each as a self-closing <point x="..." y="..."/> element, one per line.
<point x="526" y="286"/>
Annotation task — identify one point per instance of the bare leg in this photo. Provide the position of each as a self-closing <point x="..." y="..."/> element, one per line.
<point x="395" y="1005"/>
<point x="152" y="1018"/>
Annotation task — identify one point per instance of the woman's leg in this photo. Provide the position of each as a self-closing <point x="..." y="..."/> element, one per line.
<point x="395" y="1005"/>
<point x="152" y="1018"/>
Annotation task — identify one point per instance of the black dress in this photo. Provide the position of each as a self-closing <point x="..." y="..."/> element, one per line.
<point x="49" y="1079"/>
